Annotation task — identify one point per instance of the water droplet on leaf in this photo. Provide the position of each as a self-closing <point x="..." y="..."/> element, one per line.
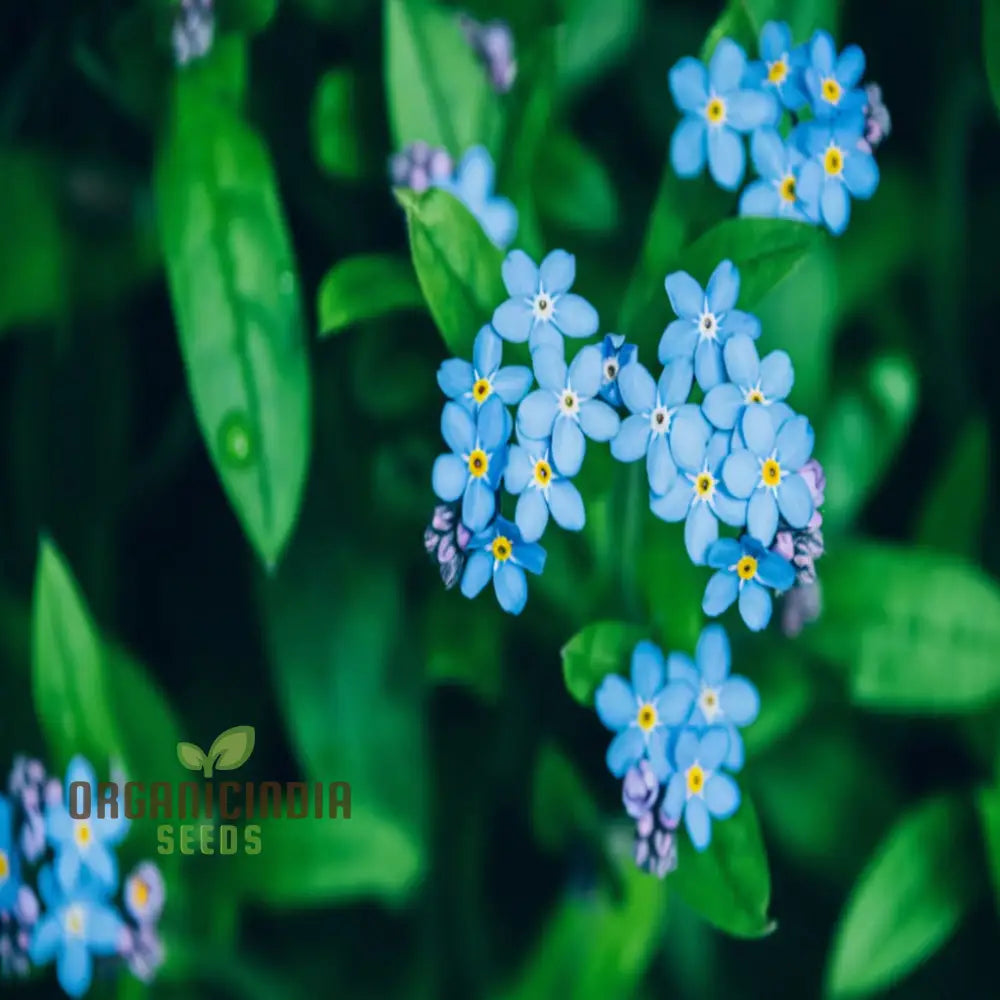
<point x="236" y="440"/>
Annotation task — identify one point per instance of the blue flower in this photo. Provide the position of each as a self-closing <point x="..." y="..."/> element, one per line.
<point x="776" y="194"/>
<point x="641" y="712"/>
<point x="707" y="320"/>
<point x="500" y="553"/>
<point x="832" y="80"/>
<point x="839" y="167"/>
<point x="746" y="569"/>
<point x="474" y="468"/>
<point x="719" y="700"/>
<point x="472" y="384"/>
<point x="541" y="309"/>
<point x="77" y="925"/>
<point x="615" y="355"/>
<point x="540" y="489"/>
<point x="767" y="472"/>
<point x="698" y="790"/>
<point x="781" y="66"/>
<point x="10" y="860"/>
<point x="699" y="499"/>
<point x="472" y="185"/>
<point x="668" y="431"/>
<point x="565" y="408"/>
<point x="84" y="844"/>
<point x="716" y="109"/>
<point x="752" y="382"/>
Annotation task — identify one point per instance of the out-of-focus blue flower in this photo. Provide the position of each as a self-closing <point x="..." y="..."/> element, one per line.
<point x="478" y="454"/>
<point x="472" y="184"/>
<point x="746" y="571"/>
<point x="77" y="925"/>
<point x="801" y="606"/>
<point x="418" y="166"/>
<point x="839" y="168"/>
<point x="655" y="843"/>
<point x="781" y="66"/>
<point x="641" y="712"/>
<point x="878" y="121"/>
<point x="141" y="947"/>
<point x="27" y="789"/>
<point x="668" y="431"/>
<point x="776" y="194"/>
<point x="719" y="699"/>
<point x="640" y="789"/>
<point x="752" y="382"/>
<point x="530" y="476"/>
<point x="767" y="472"/>
<point x="716" y="109"/>
<point x="707" y="319"/>
<point x="10" y="862"/>
<point x="615" y="355"/>
<point x="499" y="553"/>
<point x="541" y="309"/>
<point x="832" y="80"/>
<point x="493" y="43"/>
<point x="84" y="844"/>
<point x="193" y="30"/>
<point x="472" y="384"/>
<point x="16" y="923"/>
<point x="699" y="498"/>
<point x="566" y="408"/>
<point x="699" y="790"/>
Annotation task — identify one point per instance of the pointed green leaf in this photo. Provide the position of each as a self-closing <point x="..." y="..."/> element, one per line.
<point x="190" y="755"/>
<point x="742" y="21"/>
<point x="365" y="287"/>
<point x="573" y="188"/>
<point x="236" y="302"/>
<point x="561" y="806"/>
<point x="597" y="650"/>
<point x="595" y="36"/>
<point x="232" y="748"/>
<point x="337" y="125"/>
<point x="988" y="807"/>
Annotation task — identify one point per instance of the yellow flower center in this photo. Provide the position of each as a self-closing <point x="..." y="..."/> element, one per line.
<point x="4" y="867"/>
<point x="74" y="920"/>
<point x="746" y="568"/>
<point x="82" y="834"/>
<point x="777" y="71"/>
<point x="543" y="472"/>
<point x="695" y="779"/>
<point x="833" y="161"/>
<point x="646" y="718"/>
<point x="139" y="892"/>
<point x="755" y="396"/>
<point x="770" y="473"/>
<point x="501" y="548"/>
<point x="715" y="111"/>
<point x="787" y="189"/>
<point x="831" y="91"/>
<point x="479" y="463"/>
<point x="704" y="484"/>
<point x="709" y="700"/>
<point x="481" y="390"/>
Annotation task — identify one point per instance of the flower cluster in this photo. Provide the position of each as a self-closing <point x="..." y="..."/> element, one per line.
<point x="813" y="128"/>
<point x="677" y="742"/>
<point x="193" y="30"/>
<point x="76" y="874"/>
<point x="493" y="44"/>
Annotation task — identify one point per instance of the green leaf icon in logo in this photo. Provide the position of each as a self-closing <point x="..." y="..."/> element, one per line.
<point x="229" y="751"/>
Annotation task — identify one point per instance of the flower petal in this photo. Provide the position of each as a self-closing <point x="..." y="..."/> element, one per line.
<point x="722" y="796"/>
<point x="755" y="606"/>
<point x="686" y="296"/>
<point x="680" y="667"/>
<point x="836" y="206"/>
<point x="479" y="505"/>
<point x="520" y="276"/>
<point x="701" y="529"/>
<point x="850" y="67"/>
<point x="557" y="272"/>
<point x="674" y="504"/>
<point x="822" y="52"/>
<point x="531" y="515"/>
<point x="726" y="158"/>
<point x="74" y="967"/>
<point x="698" y="823"/>
<point x="660" y="467"/>
<point x="726" y="67"/>
<point x="511" y="384"/>
<point x="740" y="701"/>
<point x="498" y="218"/>
<point x="455" y="377"/>
<point x="729" y="510"/>
<point x="492" y="427"/>
<point x="724" y="553"/>
<point x="762" y="516"/>
<point x="45" y="940"/>
<point x="777" y="376"/>
<point x="775" y="40"/>
<point x="566" y="505"/>
<point x="673" y="706"/>
<point x="678" y="341"/>
<point x="737" y="322"/>
<point x="760" y="199"/>
<point x="794" y="443"/>
<point x="448" y="477"/>
<point x="648" y="671"/>
<point x="687" y="147"/>
<point x="511" y="587"/>
<point x="735" y="758"/>
<point x="632" y="439"/>
<point x="686" y="750"/>
<point x="626" y="751"/>
<point x="537" y="414"/>
<point x="674" y="386"/>
<point x="741" y="473"/>
<point x="598" y="420"/>
<point x="708" y="367"/>
<point x="776" y="571"/>
<point x="673" y="801"/>
<point x="585" y="371"/>
<point x="519" y="470"/>
<point x="658" y="752"/>
<point x="747" y="110"/>
<point x="742" y="362"/>
<point x="720" y="593"/>
<point x="574" y="316"/>
<point x="713" y="747"/>
<point x="478" y="571"/>
<point x="513" y="320"/>
<point x="860" y="174"/>
<point x="795" y="500"/>
<point x="568" y="446"/>
<point x="712" y="654"/>
<point x="103" y="929"/>
<point x="637" y="388"/>
<point x="758" y="432"/>
<point x="487" y="351"/>
<point x="476" y="175"/>
<point x="689" y="85"/>
<point x="768" y="153"/>
<point x="530" y="556"/>
<point x="550" y="368"/>
<point x="615" y="702"/>
<point x="458" y="428"/>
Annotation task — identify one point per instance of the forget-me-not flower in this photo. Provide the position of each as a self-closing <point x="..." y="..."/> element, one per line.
<point x="719" y="700"/>
<point x="766" y="472"/>
<point x="745" y="571"/>
<point x="566" y="407"/>
<point x="10" y="863"/>
<point x="776" y="194"/>
<point x="699" y="499"/>
<point x="716" y="109"/>
<point x="707" y="319"/>
<point x="615" y="355"/>
<point x="499" y="553"/>
<point x="663" y="427"/>
<point x="832" y="80"/>
<point x="478" y="452"/>
<point x="781" y="66"/>
<point x="699" y="790"/>
<point x="472" y="384"/>
<point x="541" y="308"/>
<point x="530" y="476"/>
<point x="472" y="184"/>
<point x="752" y="382"/>
<point x="641" y="712"/>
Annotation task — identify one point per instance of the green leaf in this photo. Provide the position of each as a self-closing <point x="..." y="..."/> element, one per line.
<point x="595" y="36"/>
<point x="457" y="266"/>
<point x="437" y="91"/>
<point x="988" y="807"/>
<point x="597" y="650"/>
<point x="916" y="631"/>
<point x="190" y="755"/>
<point x="365" y="287"/>
<point x="463" y="644"/>
<point x="991" y="46"/>
<point x="786" y="694"/>
<point x="908" y="901"/>
<point x="728" y="883"/>
<point x="573" y="187"/>
<point x="236" y="301"/>
<point x="245" y="16"/>
<point x="862" y="432"/>
<point x="232" y="748"/>
<point x="962" y="485"/>
<point x="561" y="807"/>
<point x="742" y="20"/>
<point x="337" y="125"/>
<point x="673" y="586"/>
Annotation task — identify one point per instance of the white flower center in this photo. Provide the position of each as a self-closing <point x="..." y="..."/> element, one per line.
<point x="543" y="306"/>
<point x="75" y="920"/>
<point x="752" y="394"/>
<point x="708" y="702"/>
<point x="569" y="403"/>
<point x="708" y="326"/>
<point x="659" y="420"/>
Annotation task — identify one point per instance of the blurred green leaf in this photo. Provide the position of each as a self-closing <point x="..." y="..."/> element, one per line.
<point x="908" y="901"/>
<point x="336" y="125"/>
<point x="742" y="21"/>
<point x="437" y="91"/>
<point x="991" y="46"/>
<point x="728" y="883"/>
<point x="246" y="16"/>
<point x="383" y="360"/>
<point x="861" y="434"/>
<point x="222" y="75"/>
<point x="596" y="34"/>
<point x="236" y="301"/>
<point x="673" y="586"/>
<point x="598" y="649"/>
<point x="561" y="806"/>
<point x="364" y="287"/>
<point x="463" y="644"/>
<point x="962" y="485"/>
<point x="916" y="631"/>
<point x="573" y="187"/>
<point x="988" y="808"/>
<point x="457" y="266"/>
<point x="786" y="695"/>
